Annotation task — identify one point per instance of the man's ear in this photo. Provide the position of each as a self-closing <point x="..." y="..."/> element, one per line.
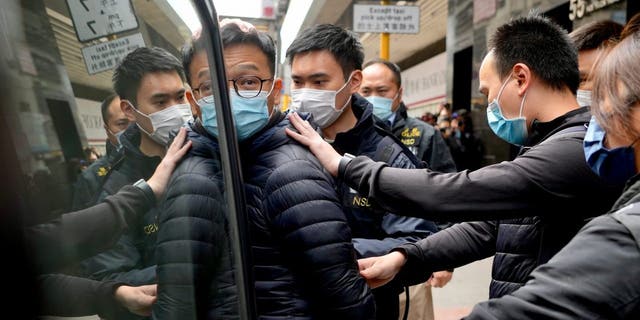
<point x="195" y="108"/>
<point x="523" y="75"/>
<point x="128" y="110"/>
<point x="356" y="81"/>
<point x="400" y="93"/>
<point x="274" y="98"/>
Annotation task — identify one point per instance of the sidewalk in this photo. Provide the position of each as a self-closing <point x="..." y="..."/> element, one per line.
<point x="469" y="285"/>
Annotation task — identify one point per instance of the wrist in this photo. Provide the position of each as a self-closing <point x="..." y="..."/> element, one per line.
<point x="147" y="191"/>
<point x="399" y="257"/>
<point x="344" y="162"/>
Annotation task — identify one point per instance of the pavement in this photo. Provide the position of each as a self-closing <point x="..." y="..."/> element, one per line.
<point x="468" y="286"/>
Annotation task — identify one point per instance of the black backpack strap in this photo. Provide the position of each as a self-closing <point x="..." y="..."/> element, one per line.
<point x="629" y="216"/>
<point x="393" y="152"/>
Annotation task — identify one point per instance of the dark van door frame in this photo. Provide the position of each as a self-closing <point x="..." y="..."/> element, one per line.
<point x="229" y="153"/>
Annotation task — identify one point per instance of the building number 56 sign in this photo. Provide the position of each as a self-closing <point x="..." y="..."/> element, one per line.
<point x="93" y="19"/>
<point x="578" y="8"/>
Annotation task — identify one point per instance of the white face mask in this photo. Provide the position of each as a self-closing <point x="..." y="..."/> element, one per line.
<point x="164" y="121"/>
<point x="320" y="103"/>
<point x="584" y="98"/>
<point x="117" y="135"/>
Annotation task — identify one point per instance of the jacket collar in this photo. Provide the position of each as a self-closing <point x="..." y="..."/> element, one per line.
<point x="350" y="140"/>
<point x="540" y="131"/>
<point x="142" y="163"/>
<point x="630" y="194"/>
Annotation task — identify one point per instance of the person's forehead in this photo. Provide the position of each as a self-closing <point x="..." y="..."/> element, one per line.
<point x="159" y="82"/>
<point x="378" y="72"/>
<point x="244" y="55"/>
<point x="317" y="61"/>
<point x="114" y="109"/>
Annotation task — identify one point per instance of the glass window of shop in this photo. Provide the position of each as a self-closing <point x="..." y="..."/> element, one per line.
<point x="56" y="66"/>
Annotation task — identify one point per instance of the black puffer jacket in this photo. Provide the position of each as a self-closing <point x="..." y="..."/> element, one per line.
<point x="195" y="271"/>
<point x="304" y="261"/>
<point x="530" y="207"/>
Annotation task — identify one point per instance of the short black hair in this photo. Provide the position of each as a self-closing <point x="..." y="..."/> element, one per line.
<point x="232" y="34"/>
<point x="104" y="106"/>
<point x="397" y="74"/>
<point x="138" y="63"/>
<point x="540" y="44"/>
<point x="343" y="45"/>
<point x="595" y="35"/>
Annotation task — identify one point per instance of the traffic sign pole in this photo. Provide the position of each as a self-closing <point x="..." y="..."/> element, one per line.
<point x="384" y="39"/>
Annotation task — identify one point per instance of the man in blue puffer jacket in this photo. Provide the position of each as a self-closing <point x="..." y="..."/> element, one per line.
<point x="303" y="260"/>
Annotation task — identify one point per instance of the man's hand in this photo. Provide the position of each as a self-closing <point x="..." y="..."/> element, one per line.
<point x="439" y="279"/>
<point x="378" y="271"/>
<point x="177" y="149"/>
<point x="307" y="136"/>
<point x="138" y="300"/>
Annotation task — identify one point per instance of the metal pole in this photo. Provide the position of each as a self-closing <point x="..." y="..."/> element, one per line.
<point x="384" y="39"/>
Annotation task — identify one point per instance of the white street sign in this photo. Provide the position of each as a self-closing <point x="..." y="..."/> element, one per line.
<point x="389" y="19"/>
<point x="107" y="55"/>
<point x="94" y="19"/>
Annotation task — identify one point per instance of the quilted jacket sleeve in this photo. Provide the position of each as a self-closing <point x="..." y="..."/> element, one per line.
<point x="192" y="246"/>
<point x="308" y="219"/>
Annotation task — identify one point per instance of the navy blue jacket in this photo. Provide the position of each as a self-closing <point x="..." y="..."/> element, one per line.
<point x="132" y="258"/>
<point x="423" y="140"/>
<point x="375" y="232"/>
<point x="195" y="271"/>
<point x="87" y="189"/>
<point x="304" y="261"/>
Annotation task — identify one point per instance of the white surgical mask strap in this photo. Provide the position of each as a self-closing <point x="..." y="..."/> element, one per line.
<point x="504" y="84"/>
<point x="340" y="90"/>
<point x="522" y="103"/>
<point x="142" y="114"/>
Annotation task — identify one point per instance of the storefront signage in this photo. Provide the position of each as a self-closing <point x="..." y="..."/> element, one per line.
<point x="580" y="8"/>
<point x="425" y="83"/>
<point x="93" y="19"/>
<point x="107" y="55"/>
<point x="388" y="19"/>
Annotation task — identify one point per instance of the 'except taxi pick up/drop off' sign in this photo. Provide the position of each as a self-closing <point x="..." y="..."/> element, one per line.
<point x="388" y="19"/>
<point x="107" y="55"/>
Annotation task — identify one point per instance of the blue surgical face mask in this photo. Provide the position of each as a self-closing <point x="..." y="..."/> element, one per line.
<point x="513" y="130"/>
<point x="250" y="114"/>
<point x="615" y="166"/>
<point x="382" y="107"/>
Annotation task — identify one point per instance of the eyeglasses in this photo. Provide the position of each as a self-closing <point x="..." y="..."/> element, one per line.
<point x="245" y="86"/>
<point x="248" y="86"/>
<point x="204" y="90"/>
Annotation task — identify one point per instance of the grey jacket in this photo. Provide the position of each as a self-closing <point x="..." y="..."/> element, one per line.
<point x="530" y="207"/>
<point x="596" y="276"/>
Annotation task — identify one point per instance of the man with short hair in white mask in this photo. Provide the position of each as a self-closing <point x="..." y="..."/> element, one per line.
<point x="326" y="63"/>
<point x="151" y="86"/>
<point x="591" y="40"/>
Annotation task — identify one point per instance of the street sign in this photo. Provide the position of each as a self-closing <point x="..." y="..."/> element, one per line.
<point x="107" y="55"/>
<point x="388" y="19"/>
<point x="93" y="19"/>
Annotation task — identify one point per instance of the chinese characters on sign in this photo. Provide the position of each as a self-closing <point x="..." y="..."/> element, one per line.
<point x="107" y="55"/>
<point x="93" y="19"/>
<point x="425" y="82"/>
<point x="389" y="19"/>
